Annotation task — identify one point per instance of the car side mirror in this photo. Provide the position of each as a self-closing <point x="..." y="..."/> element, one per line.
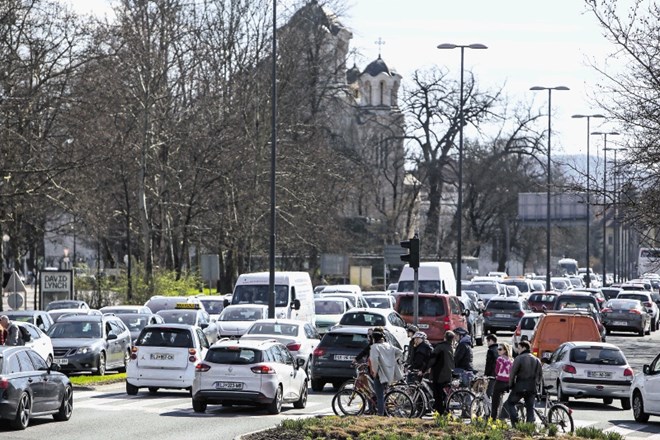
<point x="203" y="325"/>
<point x="646" y="369"/>
<point x="225" y="303"/>
<point x="300" y="363"/>
<point x="112" y="337"/>
<point x="545" y="361"/>
<point x="295" y="304"/>
<point x="53" y="367"/>
<point x="466" y="312"/>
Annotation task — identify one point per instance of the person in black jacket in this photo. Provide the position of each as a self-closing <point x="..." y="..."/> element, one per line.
<point x="441" y="365"/>
<point x="422" y="355"/>
<point x="524" y="379"/>
<point x="491" y="358"/>
<point x="411" y="330"/>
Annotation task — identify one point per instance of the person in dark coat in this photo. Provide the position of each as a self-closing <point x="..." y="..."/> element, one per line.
<point x="491" y="357"/>
<point x="441" y="366"/>
<point x="525" y="376"/>
<point x="411" y="330"/>
<point x="463" y="356"/>
<point x="422" y="356"/>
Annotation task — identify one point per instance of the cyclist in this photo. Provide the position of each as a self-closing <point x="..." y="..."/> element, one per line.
<point x="502" y="372"/>
<point x="422" y="354"/>
<point x="526" y="374"/>
<point x="411" y="330"/>
<point x="491" y="357"/>
<point x="385" y="369"/>
<point x="441" y="365"/>
<point x="463" y="356"/>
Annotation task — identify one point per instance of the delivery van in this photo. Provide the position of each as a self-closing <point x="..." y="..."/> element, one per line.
<point x="294" y="294"/>
<point x="554" y="329"/>
<point x="433" y="276"/>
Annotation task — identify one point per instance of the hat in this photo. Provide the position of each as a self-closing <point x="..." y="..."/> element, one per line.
<point x="412" y="328"/>
<point x="460" y="331"/>
<point x="419" y="335"/>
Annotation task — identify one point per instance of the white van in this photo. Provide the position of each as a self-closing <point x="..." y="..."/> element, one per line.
<point x="434" y="277"/>
<point x="294" y="295"/>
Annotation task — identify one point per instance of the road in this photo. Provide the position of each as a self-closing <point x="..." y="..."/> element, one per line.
<point x="109" y="414"/>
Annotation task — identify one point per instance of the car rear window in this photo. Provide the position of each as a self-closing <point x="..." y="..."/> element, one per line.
<point x="528" y="323"/>
<point x="347" y="340"/>
<point x="424" y="286"/>
<point x="575" y="303"/>
<point x="485" y="288"/>
<point x="365" y="319"/>
<point x="427" y="306"/>
<point x="597" y="356"/>
<point x="273" y="328"/>
<point x="233" y="355"/>
<point x="622" y="304"/>
<point x="165" y="337"/>
<point x="328" y="307"/>
<point x="539" y="297"/>
<point x="633" y="296"/>
<point x="503" y="305"/>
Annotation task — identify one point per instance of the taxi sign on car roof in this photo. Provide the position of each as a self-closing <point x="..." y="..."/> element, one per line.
<point x="187" y="306"/>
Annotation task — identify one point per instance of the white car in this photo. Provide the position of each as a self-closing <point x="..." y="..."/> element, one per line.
<point x="645" y="390"/>
<point x="39" y="341"/>
<point x="329" y="311"/>
<point x="234" y="320"/>
<point x="525" y="329"/>
<point x="382" y="301"/>
<point x="191" y="314"/>
<point x="213" y="304"/>
<point x="165" y="356"/>
<point x="125" y="309"/>
<point x="249" y="372"/>
<point x="385" y="318"/>
<point x="58" y="313"/>
<point x="300" y="337"/>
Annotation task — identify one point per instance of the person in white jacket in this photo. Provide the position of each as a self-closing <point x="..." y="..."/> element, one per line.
<point x="385" y="367"/>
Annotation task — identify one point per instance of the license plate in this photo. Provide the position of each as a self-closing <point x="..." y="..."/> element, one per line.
<point x="423" y="326"/>
<point x="60" y="361"/>
<point x="161" y="357"/>
<point x="343" y="357"/>
<point x="600" y="374"/>
<point x="228" y="385"/>
<point x="502" y="315"/>
<point x="619" y="323"/>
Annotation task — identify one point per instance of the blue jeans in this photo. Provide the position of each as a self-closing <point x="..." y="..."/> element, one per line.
<point x="514" y="397"/>
<point x="379" y="389"/>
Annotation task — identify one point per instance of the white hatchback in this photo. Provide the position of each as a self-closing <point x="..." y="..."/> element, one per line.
<point x="165" y="356"/>
<point x="645" y="390"/>
<point x="385" y="318"/>
<point x="39" y="341"/>
<point x="249" y="372"/>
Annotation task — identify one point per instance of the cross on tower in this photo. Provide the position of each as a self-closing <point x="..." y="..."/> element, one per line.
<point x="380" y="43"/>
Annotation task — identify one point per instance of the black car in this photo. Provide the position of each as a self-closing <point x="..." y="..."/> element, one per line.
<point x="93" y="343"/>
<point x="504" y="313"/>
<point x="332" y="360"/>
<point x="30" y="388"/>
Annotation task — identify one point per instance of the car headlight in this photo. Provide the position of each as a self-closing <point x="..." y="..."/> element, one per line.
<point x="83" y="350"/>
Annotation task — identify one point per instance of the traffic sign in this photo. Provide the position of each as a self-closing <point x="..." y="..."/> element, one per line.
<point x="15" y="284"/>
<point x="15" y="301"/>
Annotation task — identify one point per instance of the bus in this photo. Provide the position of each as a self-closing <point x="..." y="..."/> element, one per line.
<point x="567" y="266"/>
<point x="648" y="261"/>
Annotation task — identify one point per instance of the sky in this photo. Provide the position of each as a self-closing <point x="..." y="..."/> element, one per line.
<point x="530" y="43"/>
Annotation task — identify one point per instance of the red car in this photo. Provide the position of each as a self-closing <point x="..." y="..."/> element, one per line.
<point x="540" y="301"/>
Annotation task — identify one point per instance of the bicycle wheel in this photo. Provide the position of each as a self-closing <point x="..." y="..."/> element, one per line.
<point x="348" y="402"/>
<point x="459" y="403"/>
<point x="399" y="404"/>
<point x="349" y="384"/>
<point x="522" y="411"/>
<point x="420" y="401"/>
<point x="481" y="407"/>
<point x="561" y="417"/>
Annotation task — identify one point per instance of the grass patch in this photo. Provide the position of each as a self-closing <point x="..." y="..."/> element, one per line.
<point x="92" y="380"/>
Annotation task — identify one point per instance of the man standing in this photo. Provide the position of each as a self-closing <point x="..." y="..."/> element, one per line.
<point x="525" y="376"/>
<point x="491" y="358"/>
<point x="442" y="366"/>
<point x="463" y="356"/>
<point x="11" y="332"/>
<point x="411" y="330"/>
<point x="422" y="355"/>
<point x="385" y="369"/>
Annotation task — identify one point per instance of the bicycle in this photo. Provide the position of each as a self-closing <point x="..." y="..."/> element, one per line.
<point x="356" y="397"/>
<point x="552" y="413"/>
<point x="418" y="388"/>
<point x="459" y="398"/>
<point x="481" y="404"/>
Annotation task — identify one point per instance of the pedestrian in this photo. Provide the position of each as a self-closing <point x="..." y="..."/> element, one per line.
<point x="420" y="361"/>
<point x="385" y="369"/>
<point x="524" y="378"/>
<point x="411" y="330"/>
<point x="441" y="366"/>
<point x="491" y="357"/>
<point x="12" y="335"/>
<point x="502" y="373"/>
<point x="463" y="356"/>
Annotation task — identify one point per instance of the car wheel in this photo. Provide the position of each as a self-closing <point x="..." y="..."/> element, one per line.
<point x="625" y="403"/>
<point x="23" y="412"/>
<point x="336" y="385"/>
<point x="276" y="405"/>
<point x="66" y="407"/>
<point x="308" y="367"/>
<point x="473" y="339"/>
<point x="127" y="357"/>
<point x="641" y="332"/>
<point x="302" y="402"/>
<point x="560" y="394"/>
<point x="153" y="390"/>
<point x="317" y="385"/>
<point x="131" y="390"/>
<point x="607" y="400"/>
<point x="638" y="408"/>
<point x="100" y="365"/>
<point x="199" y="406"/>
<point x="608" y="331"/>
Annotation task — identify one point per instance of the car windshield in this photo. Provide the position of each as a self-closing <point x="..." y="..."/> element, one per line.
<point x="543" y="298"/>
<point x="22" y="318"/>
<point x="351" y="297"/>
<point x="241" y="314"/>
<point x="75" y="329"/>
<point x="425" y="286"/>
<point x="427" y="306"/>
<point x="365" y="319"/>
<point x="598" y="356"/>
<point x="62" y="305"/>
<point x="134" y="321"/>
<point x="212" y="306"/>
<point x="273" y="328"/>
<point x="521" y="285"/>
<point x="328" y="307"/>
<point x="485" y="288"/>
<point x="165" y="337"/>
<point x="179" y="316"/>
<point x="233" y="355"/>
<point x="344" y="340"/>
<point x="258" y="294"/>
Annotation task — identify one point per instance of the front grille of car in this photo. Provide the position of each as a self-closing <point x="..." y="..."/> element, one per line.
<point x="60" y="352"/>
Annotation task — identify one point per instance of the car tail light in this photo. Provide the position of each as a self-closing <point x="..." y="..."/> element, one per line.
<point x="4" y="383"/>
<point x="488" y="313"/>
<point x="569" y="369"/>
<point x="518" y="332"/>
<point x="648" y="304"/>
<point x="628" y="372"/>
<point x="446" y="323"/>
<point x="262" y="369"/>
<point x="606" y="310"/>
<point x="293" y="346"/>
<point x="134" y="351"/>
<point x="519" y="314"/>
<point x="634" y="312"/>
<point x="535" y="353"/>
<point x="318" y="352"/>
<point x="192" y="351"/>
<point x="202" y="367"/>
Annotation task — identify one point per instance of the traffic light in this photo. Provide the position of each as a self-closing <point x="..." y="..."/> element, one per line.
<point x="412" y="258"/>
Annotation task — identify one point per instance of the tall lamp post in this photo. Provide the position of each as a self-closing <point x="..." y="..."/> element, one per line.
<point x="615" y="249"/>
<point x="273" y="165"/>
<point x="459" y="205"/>
<point x="548" y="286"/>
<point x="605" y="134"/>
<point x="588" y="117"/>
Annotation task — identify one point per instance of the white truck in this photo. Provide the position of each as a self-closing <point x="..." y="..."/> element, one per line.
<point x="433" y="277"/>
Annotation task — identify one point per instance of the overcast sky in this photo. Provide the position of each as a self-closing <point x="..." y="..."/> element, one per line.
<point x="530" y="43"/>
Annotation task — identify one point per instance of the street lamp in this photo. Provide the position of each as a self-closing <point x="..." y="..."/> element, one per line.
<point x="588" y="117"/>
<point x="615" y="248"/>
<point x="459" y="206"/>
<point x="605" y="134"/>
<point x="273" y="165"/>
<point x="548" y="286"/>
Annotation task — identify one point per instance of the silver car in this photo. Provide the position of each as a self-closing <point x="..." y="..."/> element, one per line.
<point x="589" y="369"/>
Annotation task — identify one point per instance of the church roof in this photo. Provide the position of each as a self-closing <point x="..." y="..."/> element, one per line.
<point x="376" y="67"/>
<point x="352" y="74"/>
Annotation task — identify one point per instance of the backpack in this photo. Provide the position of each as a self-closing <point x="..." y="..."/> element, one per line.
<point x="25" y="334"/>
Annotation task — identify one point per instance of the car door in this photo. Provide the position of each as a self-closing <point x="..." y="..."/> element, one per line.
<point x="284" y="367"/>
<point x="296" y="375"/>
<point x="651" y="387"/>
<point x="23" y="375"/>
<point x="552" y="368"/>
<point x="115" y="353"/>
<point x="398" y="328"/>
<point x="50" y="382"/>
<point x="456" y="317"/>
